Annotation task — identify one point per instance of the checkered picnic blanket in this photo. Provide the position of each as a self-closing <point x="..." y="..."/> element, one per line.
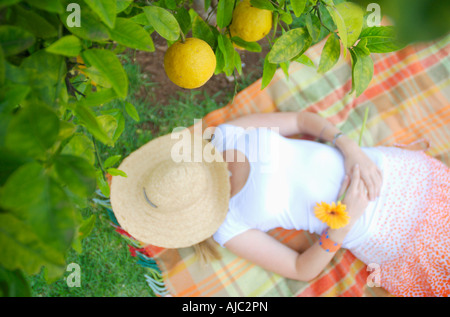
<point x="408" y="99"/>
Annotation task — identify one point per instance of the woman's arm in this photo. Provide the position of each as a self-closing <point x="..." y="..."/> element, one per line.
<point x="292" y="123"/>
<point x="267" y="252"/>
<point x="272" y="255"/>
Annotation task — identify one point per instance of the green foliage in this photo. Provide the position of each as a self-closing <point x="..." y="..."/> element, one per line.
<point x="303" y="23"/>
<point x="330" y="54"/>
<point x="59" y="66"/>
<point x="54" y="79"/>
<point x="417" y="20"/>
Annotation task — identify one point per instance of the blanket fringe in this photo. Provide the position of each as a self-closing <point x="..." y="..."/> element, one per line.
<point x="154" y="277"/>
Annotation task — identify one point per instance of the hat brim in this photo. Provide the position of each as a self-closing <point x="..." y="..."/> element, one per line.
<point x="182" y="228"/>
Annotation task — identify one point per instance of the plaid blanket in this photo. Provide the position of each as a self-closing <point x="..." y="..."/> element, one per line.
<point x="408" y="99"/>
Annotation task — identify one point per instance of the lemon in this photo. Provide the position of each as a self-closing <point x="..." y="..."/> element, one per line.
<point x="249" y="23"/>
<point x="190" y="64"/>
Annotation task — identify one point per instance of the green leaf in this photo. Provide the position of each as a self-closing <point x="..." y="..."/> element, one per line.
<point x="108" y="124"/>
<point x="220" y="62"/>
<point x="77" y="174"/>
<point x="313" y="25"/>
<point x="130" y="34"/>
<point x="81" y="146"/>
<point x="107" y="63"/>
<point x="33" y="23"/>
<point x="13" y="284"/>
<point x="66" y="130"/>
<point x="354" y="59"/>
<point x="140" y="18"/>
<point x="105" y="9"/>
<point x="289" y="45"/>
<point x="86" y="226"/>
<point x="21" y="248"/>
<point x="101" y="80"/>
<point x="69" y="45"/>
<point x="298" y="6"/>
<point x="45" y="74"/>
<point x="132" y="112"/>
<point x="83" y="230"/>
<point x="111" y="161"/>
<point x="37" y="200"/>
<point x="2" y="73"/>
<point x="163" y="22"/>
<point x="381" y="39"/>
<point x="224" y="13"/>
<point x="47" y="5"/>
<point x="363" y="71"/>
<point x="305" y="60"/>
<point x="326" y="20"/>
<point x="330" y="54"/>
<point x="102" y="184"/>
<point x="340" y="23"/>
<point x="207" y="4"/>
<point x="249" y="46"/>
<point x="6" y="3"/>
<point x="225" y="45"/>
<point x="89" y="119"/>
<point x="184" y="20"/>
<point x="120" y="122"/>
<point x="201" y="30"/>
<point x="100" y="97"/>
<point x="32" y="131"/>
<point x="120" y="126"/>
<point x="91" y="27"/>
<point x="362" y="45"/>
<point x="122" y="5"/>
<point x="262" y="4"/>
<point x="285" y="67"/>
<point x="10" y="162"/>
<point x="12" y="94"/>
<point x="14" y="40"/>
<point x="116" y="172"/>
<point x="353" y="17"/>
<point x="286" y="17"/>
<point x="269" y="70"/>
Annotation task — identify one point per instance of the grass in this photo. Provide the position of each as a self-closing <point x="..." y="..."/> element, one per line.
<point x="107" y="268"/>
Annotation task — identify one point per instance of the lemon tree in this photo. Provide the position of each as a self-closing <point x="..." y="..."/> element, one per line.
<point x="291" y="27"/>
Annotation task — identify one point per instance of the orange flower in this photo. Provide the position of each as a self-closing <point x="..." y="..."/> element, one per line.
<point x="333" y="215"/>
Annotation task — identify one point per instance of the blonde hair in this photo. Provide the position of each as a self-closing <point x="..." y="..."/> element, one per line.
<point x="207" y="251"/>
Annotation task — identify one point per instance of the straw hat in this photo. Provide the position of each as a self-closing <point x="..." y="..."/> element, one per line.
<point x="167" y="201"/>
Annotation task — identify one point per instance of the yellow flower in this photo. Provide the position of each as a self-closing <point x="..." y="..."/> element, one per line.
<point x="333" y="215"/>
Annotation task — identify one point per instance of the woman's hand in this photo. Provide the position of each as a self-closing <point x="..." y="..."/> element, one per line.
<point x="355" y="198"/>
<point x="369" y="171"/>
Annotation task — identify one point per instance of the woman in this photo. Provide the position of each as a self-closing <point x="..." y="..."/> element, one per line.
<point x="397" y="201"/>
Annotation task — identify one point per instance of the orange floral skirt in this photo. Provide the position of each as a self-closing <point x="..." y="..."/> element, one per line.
<point x="409" y="243"/>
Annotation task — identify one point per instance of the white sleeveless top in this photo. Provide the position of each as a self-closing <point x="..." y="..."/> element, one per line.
<point x="287" y="178"/>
